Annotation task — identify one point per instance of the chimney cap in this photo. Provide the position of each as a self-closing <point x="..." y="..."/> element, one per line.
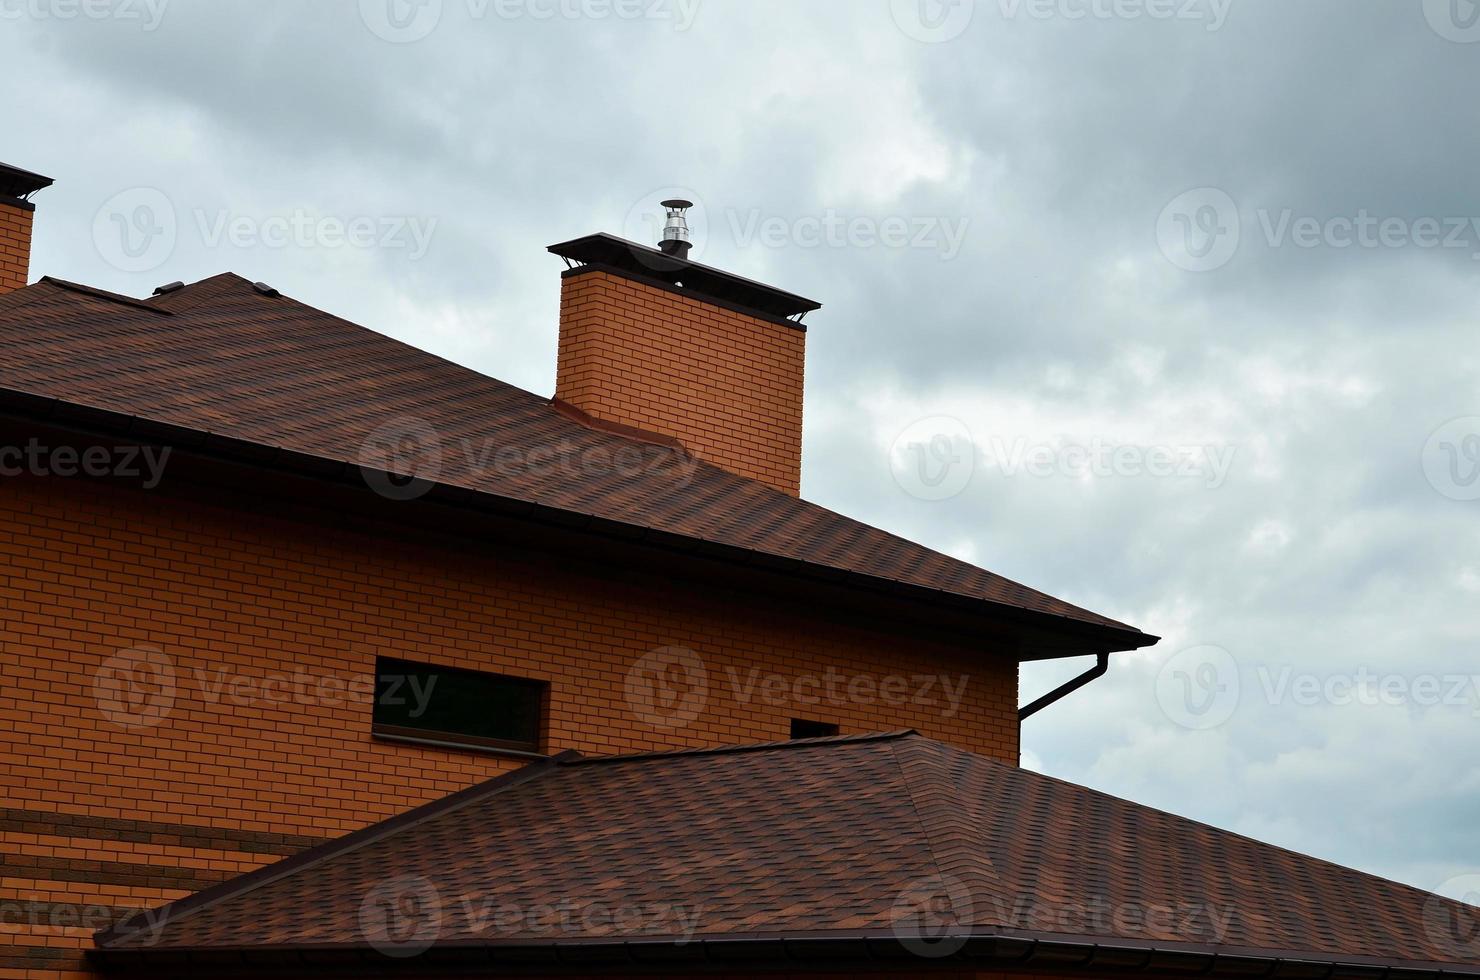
<point x="676" y="240"/>
<point x="644" y="261"/>
<point x="15" y="182"/>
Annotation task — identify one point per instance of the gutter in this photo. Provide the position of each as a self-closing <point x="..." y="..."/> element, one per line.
<point x="1004" y="950"/>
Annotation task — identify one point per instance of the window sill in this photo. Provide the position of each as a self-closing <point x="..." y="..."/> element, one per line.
<point x="438" y="743"/>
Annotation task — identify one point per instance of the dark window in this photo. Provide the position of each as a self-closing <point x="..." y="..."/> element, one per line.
<point x="812" y="729"/>
<point x="448" y="704"/>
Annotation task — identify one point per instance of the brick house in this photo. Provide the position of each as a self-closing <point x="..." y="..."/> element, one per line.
<point x="338" y="659"/>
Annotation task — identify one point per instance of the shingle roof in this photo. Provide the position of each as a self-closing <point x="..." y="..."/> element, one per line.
<point x="832" y="841"/>
<point x="223" y="357"/>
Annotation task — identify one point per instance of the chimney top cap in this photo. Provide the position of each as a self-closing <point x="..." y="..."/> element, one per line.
<point x="677" y="204"/>
<point x="644" y="261"/>
<point x="15" y="182"/>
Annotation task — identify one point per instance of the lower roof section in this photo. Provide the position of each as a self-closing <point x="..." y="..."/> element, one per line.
<point x="891" y="850"/>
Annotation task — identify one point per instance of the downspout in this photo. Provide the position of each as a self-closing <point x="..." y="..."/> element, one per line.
<point x="1101" y="667"/>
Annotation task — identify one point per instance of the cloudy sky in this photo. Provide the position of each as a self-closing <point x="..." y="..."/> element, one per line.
<point x="1164" y="306"/>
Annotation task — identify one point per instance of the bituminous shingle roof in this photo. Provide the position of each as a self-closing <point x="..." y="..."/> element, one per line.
<point x="843" y="838"/>
<point x="221" y="357"/>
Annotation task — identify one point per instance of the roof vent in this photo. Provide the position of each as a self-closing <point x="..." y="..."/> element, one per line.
<point x="169" y="287"/>
<point x="266" y="290"/>
<point x="676" y="229"/>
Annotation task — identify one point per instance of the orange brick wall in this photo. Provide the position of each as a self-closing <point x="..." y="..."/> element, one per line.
<point x="15" y="245"/>
<point x="247" y="763"/>
<point x="728" y="385"/>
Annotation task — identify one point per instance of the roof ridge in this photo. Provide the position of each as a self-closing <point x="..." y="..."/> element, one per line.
<point x="155" y="919"/>
<point x="194" y="294"/>
<point x="77" y="287"/>
<point x="953" y="830"/>
<point x="26" y="295"/>
<point x="776" y="746"/>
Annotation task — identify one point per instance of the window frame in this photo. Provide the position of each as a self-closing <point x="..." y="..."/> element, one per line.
<point x="459" y="740"/>
<point x="833" y="729"/>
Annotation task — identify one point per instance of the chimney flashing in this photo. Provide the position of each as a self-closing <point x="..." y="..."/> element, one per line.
<point x="694" y="279"/>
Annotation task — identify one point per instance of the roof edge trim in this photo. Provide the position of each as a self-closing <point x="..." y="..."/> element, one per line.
<point x="1062" y="953"/>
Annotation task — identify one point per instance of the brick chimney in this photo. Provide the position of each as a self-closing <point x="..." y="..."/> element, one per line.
<point x="16" y="211"/>
<point x="651" y="340"/>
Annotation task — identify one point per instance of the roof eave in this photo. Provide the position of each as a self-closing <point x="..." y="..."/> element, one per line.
<point x="1083" y="637"/>
<point x="994" y="949"/>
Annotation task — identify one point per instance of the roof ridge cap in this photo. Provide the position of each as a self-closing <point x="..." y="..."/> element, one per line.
<point x="962" y="859"/>
<point x="156" y="918"/>
<point x="103" y="294"/>
<point x="191" y="295"/>
<point x="776" y="746"/>
<point x="30" y="293"/>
